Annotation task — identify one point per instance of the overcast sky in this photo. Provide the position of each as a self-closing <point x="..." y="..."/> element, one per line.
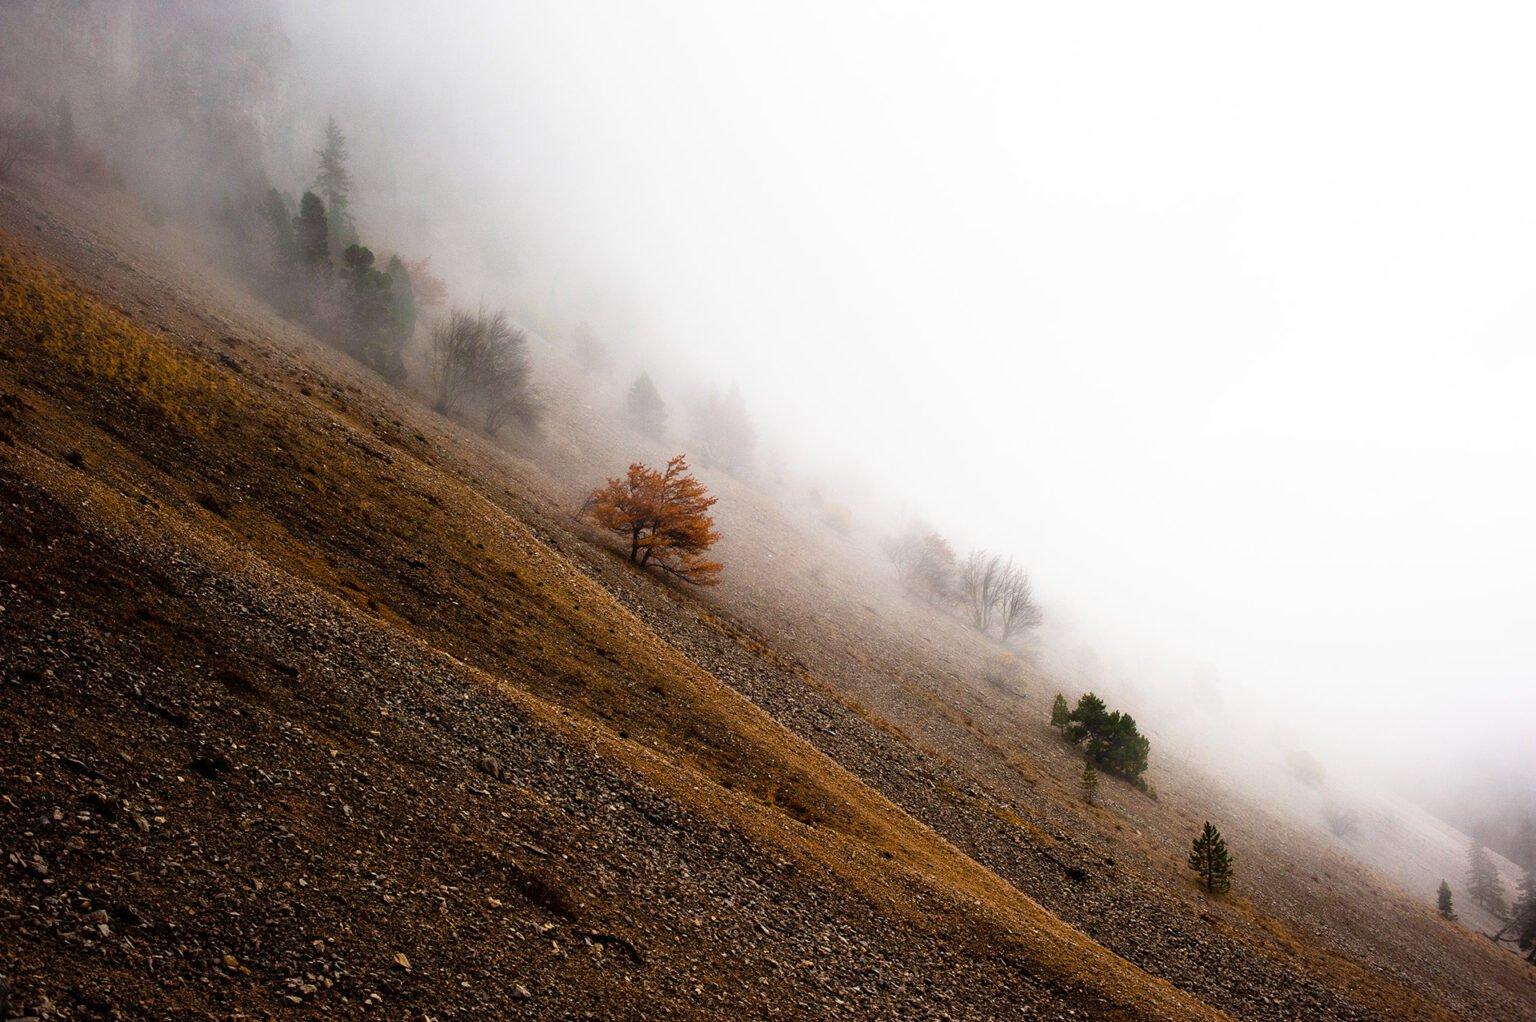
<point x="1220" y="316"/>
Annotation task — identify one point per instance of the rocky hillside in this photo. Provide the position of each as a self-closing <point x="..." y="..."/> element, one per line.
<point x="318" y="705"/>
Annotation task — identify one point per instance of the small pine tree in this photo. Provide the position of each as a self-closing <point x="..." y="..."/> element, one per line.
<point x="1089" y="782"/>
<point x="1060" y="713"/>
<point x="1208" y="857"/>
<point x="368" y="332"/>
<point x="1445" y="901"/>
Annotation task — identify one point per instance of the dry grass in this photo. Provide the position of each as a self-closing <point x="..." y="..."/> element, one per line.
<point x="91" y="338"/>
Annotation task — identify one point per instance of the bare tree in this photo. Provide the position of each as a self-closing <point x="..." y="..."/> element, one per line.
<point x="482" y="358"/>
<point x="456" y="354"/>
<point x="505" y="388"/>
<point x="980" y="587"/>
<point x="995" y="590"/>
<point x="1016" y="606"/>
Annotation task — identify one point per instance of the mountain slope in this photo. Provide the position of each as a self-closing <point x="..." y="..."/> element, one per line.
<point x="299" y="674"/>
<point x="264" y="655"/>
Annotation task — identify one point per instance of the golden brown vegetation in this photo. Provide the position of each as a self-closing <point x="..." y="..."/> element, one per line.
<point x="40" y="306"/>
<point x="665" y="516"/>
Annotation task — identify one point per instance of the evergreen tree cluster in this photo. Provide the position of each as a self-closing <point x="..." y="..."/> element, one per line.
<point x="1109" y="738"/>
<point x="304" y="256"/>
<point x="1520" y="918"/>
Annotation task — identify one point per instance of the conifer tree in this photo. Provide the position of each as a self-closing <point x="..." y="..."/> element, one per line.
<point x="1209" y="858"/>
<point x="1522" y="918"/>
<point x="311" y="234"/>
<point x="647" y="411"/>
<point x="1525" y="915"/>
<point x="334" y="182"/>
<point x="1484" y="881"/>
<point x="1060" y="713"/>
<point x="402" y="303"/>
<point x="1110" y="738"/>
<point x="1089" y="782"/>
<point x="368" y="331"/>
<point x="1445" y="901"/>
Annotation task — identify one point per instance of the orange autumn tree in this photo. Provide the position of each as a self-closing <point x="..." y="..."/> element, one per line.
<point x="665" y="516"/>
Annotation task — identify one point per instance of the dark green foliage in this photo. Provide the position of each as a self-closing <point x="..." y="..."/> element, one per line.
<point x="647" y="411"/>
<point x="1089" y="782"/>
<point x="1110" y="739"/>
<point x="402" y="303"/>
<point x="1445" y="901"/>
<point x="1209" y="858"/>
<point x="1483" y="880"/>
<point x="1060" y="713"/>
<point x="311" y="234"/>
<point x="367" y="331"/>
